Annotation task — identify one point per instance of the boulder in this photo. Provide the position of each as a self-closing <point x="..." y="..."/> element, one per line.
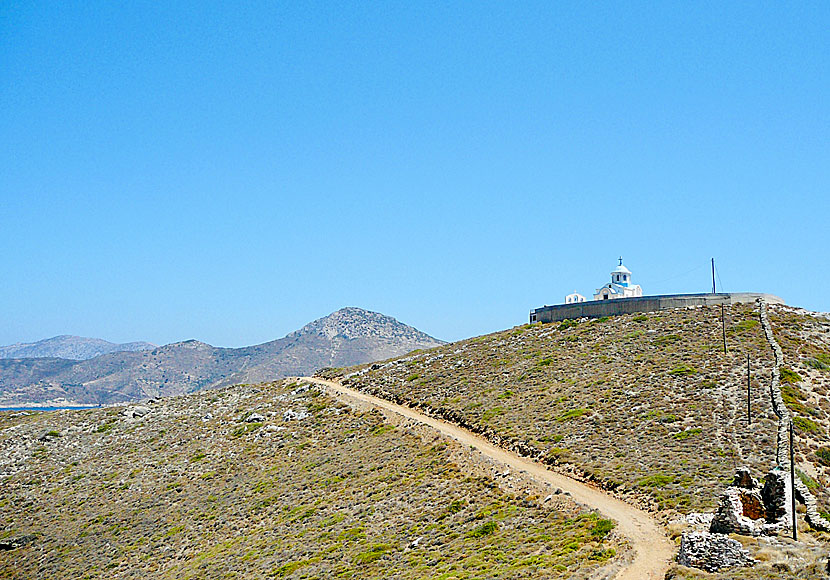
<point x="254" y="418"/>
<point x="292" y="415"/>
<point x="135" y="411"/>
<point x="17" y="542"/>
<point x="712" y="552"/>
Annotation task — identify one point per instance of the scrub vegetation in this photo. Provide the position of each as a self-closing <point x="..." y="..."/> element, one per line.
<point x="269" y="481"/>
<point x="647" y="405"/>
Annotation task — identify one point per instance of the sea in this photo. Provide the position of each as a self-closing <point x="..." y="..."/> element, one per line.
<point x="47" y="408"/>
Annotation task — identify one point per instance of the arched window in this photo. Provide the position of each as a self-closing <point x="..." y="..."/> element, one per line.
<point x="625" y="277"/>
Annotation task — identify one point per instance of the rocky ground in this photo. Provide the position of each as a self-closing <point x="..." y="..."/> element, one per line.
<point x="647" y="405"/>
<point x="267" y="481"/>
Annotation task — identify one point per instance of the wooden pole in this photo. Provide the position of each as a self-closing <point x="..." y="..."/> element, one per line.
<point x="748" y="392"/>
<point x="714" y="288"/>
<point x="792" y="482"/>
<point x="723" y="325"/>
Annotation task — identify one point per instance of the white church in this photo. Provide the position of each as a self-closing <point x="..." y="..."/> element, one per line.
<point x="620" y="286"/>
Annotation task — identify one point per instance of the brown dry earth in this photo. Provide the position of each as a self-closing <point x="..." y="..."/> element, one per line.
<point x="651" y="545"/>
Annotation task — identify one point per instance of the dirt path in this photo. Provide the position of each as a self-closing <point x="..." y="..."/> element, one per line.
<point x="653" y="549"/>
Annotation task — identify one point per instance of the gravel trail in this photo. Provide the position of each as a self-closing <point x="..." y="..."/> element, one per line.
<point x="651" y="545"/>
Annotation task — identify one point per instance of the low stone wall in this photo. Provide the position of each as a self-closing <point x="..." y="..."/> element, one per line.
<point x="802" y="493"/>
<point x="600" y="308"/>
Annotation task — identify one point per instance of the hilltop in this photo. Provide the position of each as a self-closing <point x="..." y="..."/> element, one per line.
<point x="270" y="481"/>
<point x="346" y="337"/>
<point x="69" y="347"/>
<point x="647" y="406"/>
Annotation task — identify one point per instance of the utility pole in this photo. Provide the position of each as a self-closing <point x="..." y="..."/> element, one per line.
<point x="714" y="288"/>
<point x="748" y="392"/>
<point x="723" y="325"/>
<point x="792" y="482"/>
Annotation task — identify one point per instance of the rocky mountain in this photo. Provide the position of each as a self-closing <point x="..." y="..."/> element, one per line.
<point x="69" y="347"/>
<point x="346" y="337"/>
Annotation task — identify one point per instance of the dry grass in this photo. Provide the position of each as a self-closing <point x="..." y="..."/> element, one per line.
<point x="193" y="490"/>
<point x="647" y="405"/>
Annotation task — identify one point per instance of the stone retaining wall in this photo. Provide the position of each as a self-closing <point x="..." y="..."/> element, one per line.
<point x="813" y="517"/>
<point x="599" y="308"/>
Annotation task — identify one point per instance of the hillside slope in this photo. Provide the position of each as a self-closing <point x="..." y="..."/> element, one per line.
<point x="346" y="337"/>
<point x="647" y="405"/>
<point x="69" y="347"/>
<point x="268" y="481"/>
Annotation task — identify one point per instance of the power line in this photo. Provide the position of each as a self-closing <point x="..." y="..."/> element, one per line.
<point x="676" y="276"/>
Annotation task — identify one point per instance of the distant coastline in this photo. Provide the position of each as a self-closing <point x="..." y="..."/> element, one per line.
<point x="33" y="408"/>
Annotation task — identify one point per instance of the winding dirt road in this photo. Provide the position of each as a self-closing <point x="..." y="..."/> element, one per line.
<point x="653" y="549"/>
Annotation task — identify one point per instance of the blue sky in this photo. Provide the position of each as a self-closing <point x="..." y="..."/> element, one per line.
<point x="229" y="172"/>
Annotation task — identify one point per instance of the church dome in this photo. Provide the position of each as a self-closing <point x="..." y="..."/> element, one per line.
<point x="621" y="270"/>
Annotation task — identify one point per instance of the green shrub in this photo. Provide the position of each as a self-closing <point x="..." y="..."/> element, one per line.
<point x="381" y="429"/>
<point x="490" y="413"/>
<point x="747" y="324"/>
<point x="823" y="456"/>
<point x="565" y="324"/>
<point x="602" y="528"/>
<point x="683" y="371"/>
<point x="287" y="569"/>
<point x="483" y="530"/>
<point x="656" y="480"/>
<point x="602" y="555"/>
<point x="374" y="553"/>
<point x="820" y="362"/>
<point x="789" y="376"/>
<point x="640" y="318"/>
<point x="246" y="428"/>
<point x="557" y="455"/>
<point x="811" y="483"/>
<point x="572" y="414"/>
<point x="806" y="425"/>
<point x="666" y="340"/>
<point x="792" y="394"/>
<point x="682" y="435"/>
<point x="456" y="506"/>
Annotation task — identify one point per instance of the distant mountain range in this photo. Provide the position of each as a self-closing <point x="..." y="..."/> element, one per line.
<point x="69" y="347"/>
<point x="347" y="337"/>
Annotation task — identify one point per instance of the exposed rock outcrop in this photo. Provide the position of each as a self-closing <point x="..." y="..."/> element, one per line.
<point x="16" y="542"/>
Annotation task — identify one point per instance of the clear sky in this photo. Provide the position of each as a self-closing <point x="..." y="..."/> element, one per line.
<point x="232" y="171"/>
